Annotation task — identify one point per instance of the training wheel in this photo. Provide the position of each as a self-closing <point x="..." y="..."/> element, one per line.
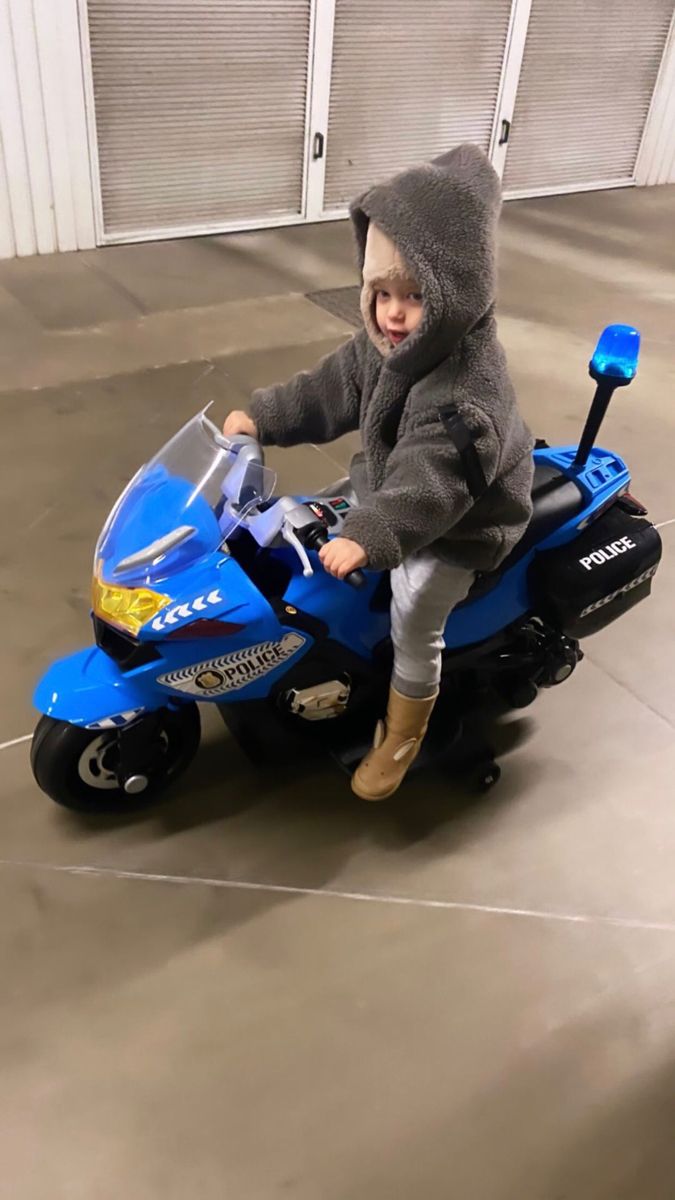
<point x="487" y="776"/>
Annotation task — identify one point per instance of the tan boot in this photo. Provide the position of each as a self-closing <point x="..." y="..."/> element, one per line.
<point x="395" y="748"/>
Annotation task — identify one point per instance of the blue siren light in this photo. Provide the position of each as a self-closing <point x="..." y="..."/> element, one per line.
<point x="616" y="355"/>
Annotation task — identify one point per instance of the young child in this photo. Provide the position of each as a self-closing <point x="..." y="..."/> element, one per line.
<point x="444" y="479"/>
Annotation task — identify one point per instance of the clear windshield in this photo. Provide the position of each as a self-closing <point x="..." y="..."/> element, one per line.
<point x="182" y="506"/>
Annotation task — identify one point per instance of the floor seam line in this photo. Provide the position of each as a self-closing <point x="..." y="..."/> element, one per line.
<point x="26" y="737"/>
<point x="626" y="688"/>
<point x="339" y="894"/>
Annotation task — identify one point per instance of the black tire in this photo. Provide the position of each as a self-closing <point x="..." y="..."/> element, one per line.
<point x="486" y="776"/>
<point x="86" y="783"/>
<point x="518" y="693"/>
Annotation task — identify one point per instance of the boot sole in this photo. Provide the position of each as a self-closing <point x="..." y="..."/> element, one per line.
<point x="374" y="799"/>
<point x="362" y="795"/>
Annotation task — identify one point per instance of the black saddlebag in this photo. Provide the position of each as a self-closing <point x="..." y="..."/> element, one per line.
<point x="587" y="584"/>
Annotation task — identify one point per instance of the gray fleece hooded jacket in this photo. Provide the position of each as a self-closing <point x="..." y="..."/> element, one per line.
<point x="410" y="481"/>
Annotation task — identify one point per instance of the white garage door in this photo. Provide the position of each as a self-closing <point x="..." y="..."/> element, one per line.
<point x="230" y="114"/>
<point x="586" y="82"/>
<point x="410" y="79"/>
<point x="200" y="111"/>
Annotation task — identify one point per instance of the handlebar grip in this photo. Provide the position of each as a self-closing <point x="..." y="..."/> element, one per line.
<point x="319" y="538"/>
<point x="355" y="579"/>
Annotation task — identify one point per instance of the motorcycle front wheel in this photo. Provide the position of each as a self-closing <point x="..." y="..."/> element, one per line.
<point x="78" y="768"/>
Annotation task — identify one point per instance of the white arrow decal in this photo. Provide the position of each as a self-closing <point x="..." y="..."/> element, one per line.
<point x="184" y="611"/>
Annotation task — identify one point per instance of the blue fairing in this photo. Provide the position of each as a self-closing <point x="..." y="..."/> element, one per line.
<point x="152" y="508"/>
<point x="346" y="612"/>
<point x="207" y="587"/>
<point x="89" y="686"/>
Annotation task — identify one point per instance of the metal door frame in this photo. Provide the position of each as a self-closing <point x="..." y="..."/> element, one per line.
<point x="506" y="95"/>
<point x="511" y="78"/>
<point x="311" y="169"/>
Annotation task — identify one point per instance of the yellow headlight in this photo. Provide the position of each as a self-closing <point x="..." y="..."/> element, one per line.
<point x="128" y="608"/>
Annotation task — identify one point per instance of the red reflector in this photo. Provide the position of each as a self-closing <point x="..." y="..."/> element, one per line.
<point x="205" y="629"/>
<point x="637" y="506"/>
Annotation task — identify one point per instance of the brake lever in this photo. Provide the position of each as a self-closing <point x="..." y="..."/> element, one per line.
<point x="289" y="535"/>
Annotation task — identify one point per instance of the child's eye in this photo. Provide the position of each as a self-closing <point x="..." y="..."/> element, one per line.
<point x="416" y="297"/>
<point x="382" y="295"/>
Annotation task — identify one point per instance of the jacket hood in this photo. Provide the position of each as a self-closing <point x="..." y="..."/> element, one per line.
<point x="442" y="219"/>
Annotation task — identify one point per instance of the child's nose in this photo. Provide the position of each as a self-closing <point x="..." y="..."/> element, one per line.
<point x="396" y="312"/>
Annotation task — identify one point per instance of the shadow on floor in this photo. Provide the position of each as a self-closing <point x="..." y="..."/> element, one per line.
<point x="314" y="796"/>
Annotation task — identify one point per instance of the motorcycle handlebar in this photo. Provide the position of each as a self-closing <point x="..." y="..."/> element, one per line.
<point x="317" y="540"/>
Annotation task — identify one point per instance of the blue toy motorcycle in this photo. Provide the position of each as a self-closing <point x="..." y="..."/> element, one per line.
<point x="208" y="589"/>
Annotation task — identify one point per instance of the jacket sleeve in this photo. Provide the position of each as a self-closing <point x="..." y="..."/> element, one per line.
<point x="424" y="492"/>
<point x="314" y="406"/>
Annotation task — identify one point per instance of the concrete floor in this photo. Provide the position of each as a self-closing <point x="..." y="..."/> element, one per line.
<point x="263" y="988"/>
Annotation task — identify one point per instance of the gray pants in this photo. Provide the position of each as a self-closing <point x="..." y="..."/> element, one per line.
<point x="424" y="593"/>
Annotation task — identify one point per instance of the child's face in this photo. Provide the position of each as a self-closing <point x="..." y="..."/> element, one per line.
<point x="398" y="309"/>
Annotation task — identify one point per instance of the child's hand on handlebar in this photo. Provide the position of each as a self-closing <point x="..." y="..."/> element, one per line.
<point x="240" y="423"/>
<point x="341" y="556"/>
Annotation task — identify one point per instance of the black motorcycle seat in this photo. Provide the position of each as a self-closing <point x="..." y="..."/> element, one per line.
<point x="556" y="499"/>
